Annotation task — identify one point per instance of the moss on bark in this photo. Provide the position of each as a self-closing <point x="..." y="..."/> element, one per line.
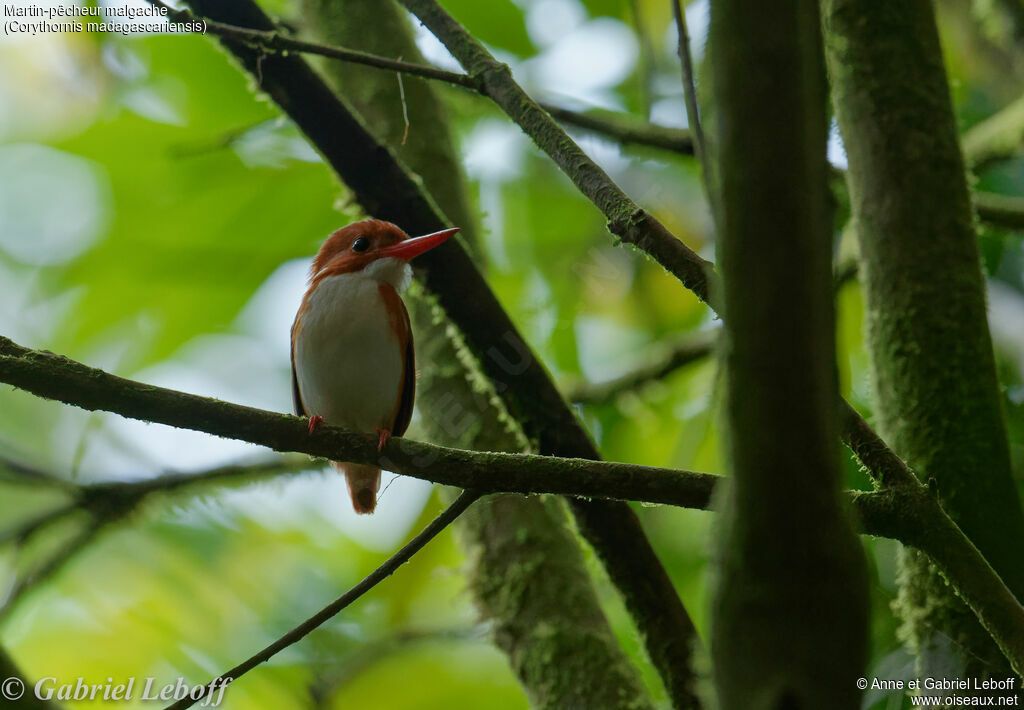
<point x="933" y="372"/>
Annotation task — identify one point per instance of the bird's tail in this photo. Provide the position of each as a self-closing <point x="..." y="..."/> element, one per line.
<point x="363" y="482"/>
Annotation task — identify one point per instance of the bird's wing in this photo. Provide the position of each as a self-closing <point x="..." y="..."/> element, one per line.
<point x="404" y="414"/>
<point x="300" y="409"/>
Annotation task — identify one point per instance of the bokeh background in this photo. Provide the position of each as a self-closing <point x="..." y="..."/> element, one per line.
<point x="157" y="217"/>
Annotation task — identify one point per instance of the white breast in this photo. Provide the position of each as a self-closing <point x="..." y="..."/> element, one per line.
<point x="348" y="360"/>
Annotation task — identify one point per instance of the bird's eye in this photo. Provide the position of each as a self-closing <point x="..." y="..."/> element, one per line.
<point x="361" y="244"/>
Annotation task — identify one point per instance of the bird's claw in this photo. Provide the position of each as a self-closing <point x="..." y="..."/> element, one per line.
<point x="382" y="438"/>
<point x="314" y="422"/>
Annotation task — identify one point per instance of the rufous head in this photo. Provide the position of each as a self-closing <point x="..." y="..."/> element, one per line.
<point x="353" y="248"/>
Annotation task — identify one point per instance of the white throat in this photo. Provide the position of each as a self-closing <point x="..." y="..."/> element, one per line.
<point x="390" y="270"/>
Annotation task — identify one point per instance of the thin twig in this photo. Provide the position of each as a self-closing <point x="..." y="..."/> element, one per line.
<point x="678" y="355"/>
<point x="465" y="499"/>
<point x="55" y="377"/>
<point x="405" y="108"/>
<point x="624" y="129"/>
<point x="693" y="113"/>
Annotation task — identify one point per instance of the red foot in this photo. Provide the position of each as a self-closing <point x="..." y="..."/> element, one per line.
<point x="314" y="422"/>
<point x="382" y="438"/>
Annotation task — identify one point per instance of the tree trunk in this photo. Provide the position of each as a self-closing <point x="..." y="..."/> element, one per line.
<point x="933" y="369"/>
<point x="789" y="624"/>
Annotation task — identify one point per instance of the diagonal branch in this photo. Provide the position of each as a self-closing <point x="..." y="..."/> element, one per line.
<point x="466" y="499"/>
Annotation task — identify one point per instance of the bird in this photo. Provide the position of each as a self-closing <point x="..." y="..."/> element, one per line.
<point x="353" y="362"/>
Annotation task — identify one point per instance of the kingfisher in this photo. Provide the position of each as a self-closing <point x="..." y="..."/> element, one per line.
<point x="353" y="363"/>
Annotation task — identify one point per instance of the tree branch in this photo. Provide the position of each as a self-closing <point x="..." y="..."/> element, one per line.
<point x="625" y="130"/>
<point x="886" y="469"/>
<point x="932" y="366"/>
<point x="334" y="608"/>
<point x="54" y="377"/>
<point x="78" y="542"/>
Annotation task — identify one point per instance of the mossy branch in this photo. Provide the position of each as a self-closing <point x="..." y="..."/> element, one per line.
<point x="55" y="377"/>
<point x="933" y="369"/>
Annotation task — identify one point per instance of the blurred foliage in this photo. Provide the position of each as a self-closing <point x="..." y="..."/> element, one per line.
<point x="152" y="209"/>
